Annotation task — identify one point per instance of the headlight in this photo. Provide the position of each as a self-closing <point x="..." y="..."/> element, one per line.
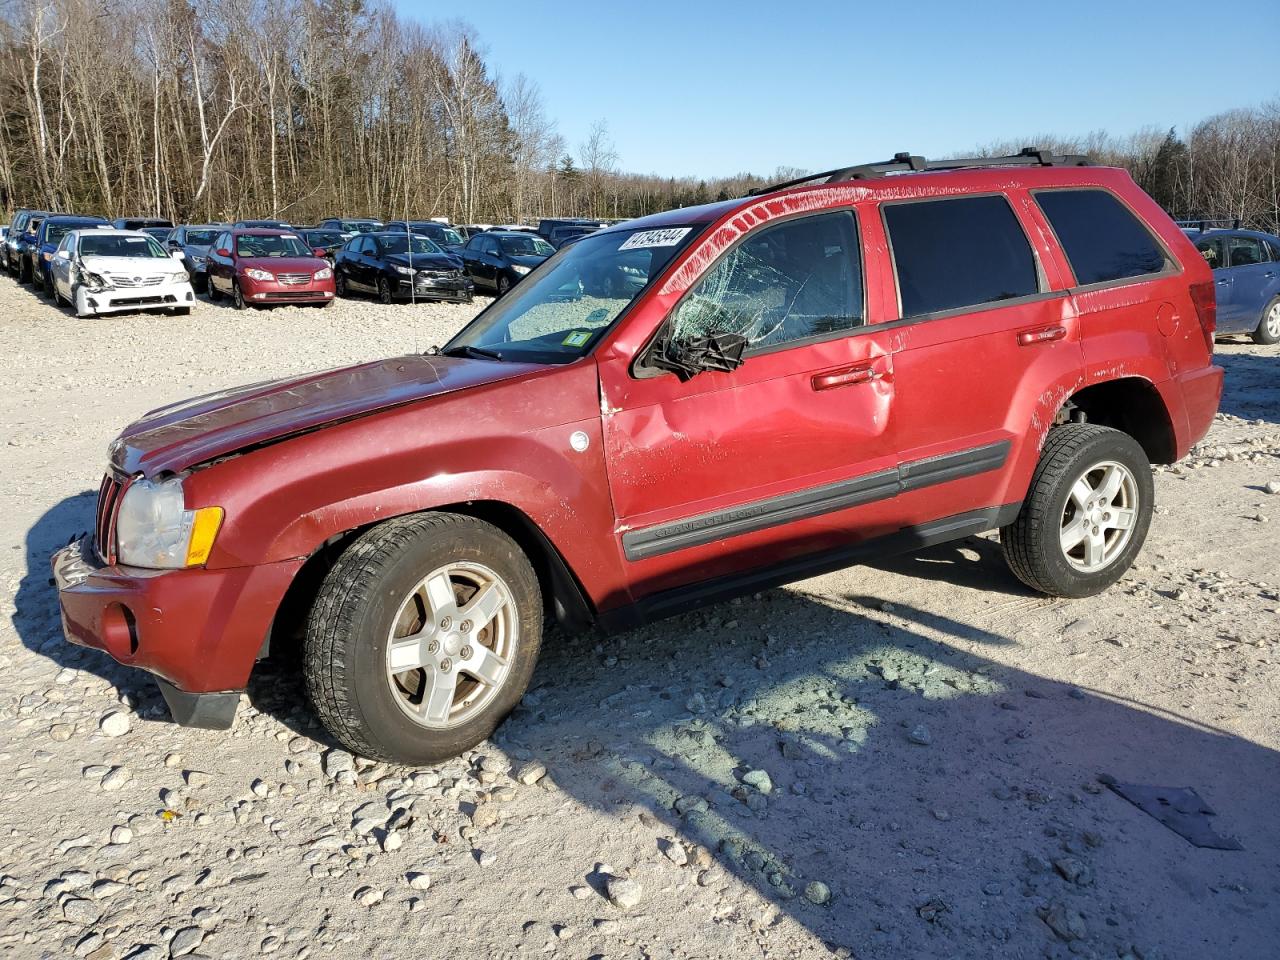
<point x="154" y="530"/>
<point x="522" y="270"/>
<point x="253" y="273"/>
<point x="93" y="282"/>
<point x="407" y="271"/>
<point x="181" y="276"/>
<point x="324" y="274"/>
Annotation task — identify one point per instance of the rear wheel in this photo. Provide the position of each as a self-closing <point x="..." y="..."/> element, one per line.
<point x="48" y="286"/>
<point x="1086" y="514"/>
<point x="1268" y="329"/>
<point x="339" y="284"/>
<point x="423" y="637"/>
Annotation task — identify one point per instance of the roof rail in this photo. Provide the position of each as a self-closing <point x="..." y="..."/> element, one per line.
<point x="909" y="163"/>
<point x="1207" y="223"/>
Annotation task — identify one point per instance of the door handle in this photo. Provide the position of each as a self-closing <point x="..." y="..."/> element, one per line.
<point x="842" y="378"/>
<point x="1223" y="283"/>
<point x="1027" y="338"/>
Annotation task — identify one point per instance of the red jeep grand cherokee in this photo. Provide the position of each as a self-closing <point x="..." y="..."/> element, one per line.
<point x="260" y="267"/>
<point x="666" y="413"/>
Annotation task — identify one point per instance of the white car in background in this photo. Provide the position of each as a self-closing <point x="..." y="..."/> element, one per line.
<point x="106" y="271"/>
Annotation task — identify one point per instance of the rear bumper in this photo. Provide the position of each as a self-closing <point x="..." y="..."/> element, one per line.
<point x="197" y="630"/>
<point x="1201" y="393"/>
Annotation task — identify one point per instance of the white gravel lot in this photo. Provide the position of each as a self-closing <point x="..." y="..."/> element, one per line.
<point x="932" y="733"/>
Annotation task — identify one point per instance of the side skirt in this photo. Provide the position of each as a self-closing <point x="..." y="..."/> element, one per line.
<point x="668" y="603"/>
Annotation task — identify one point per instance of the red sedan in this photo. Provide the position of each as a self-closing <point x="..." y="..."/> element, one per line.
<point x="257" y="267"/>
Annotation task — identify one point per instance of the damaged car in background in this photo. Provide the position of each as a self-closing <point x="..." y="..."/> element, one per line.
<point x="666" y="413"/>
<point x="100" y="270"/>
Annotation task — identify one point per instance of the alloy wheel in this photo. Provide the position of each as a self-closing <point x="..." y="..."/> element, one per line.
<point x="1099" y="516"/>
<point x="1273" y="321"/>
<point x="451" y="645"/>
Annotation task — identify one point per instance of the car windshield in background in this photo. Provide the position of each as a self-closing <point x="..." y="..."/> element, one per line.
<point x="366" y="227"/>
<point x="116" y="245"/>
<point x="560" y="312"/>
<point x="56" y="232"/>
<point x="160" y="233"/>
<point x="398" y="244"/>
<point x="270" y="245"/>
<point x="201" y="238"/>
<point x="526" y="247"/>
<point x="325" y="238"/>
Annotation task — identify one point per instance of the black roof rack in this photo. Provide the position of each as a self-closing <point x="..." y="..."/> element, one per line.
<point x="1207" y="223"/>
<point x="908" y="163"/>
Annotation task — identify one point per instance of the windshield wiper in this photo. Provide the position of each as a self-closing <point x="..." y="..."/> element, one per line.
<point x="467" y="350"/>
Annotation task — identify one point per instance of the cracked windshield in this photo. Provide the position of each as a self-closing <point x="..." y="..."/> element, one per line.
<point x="560" y="311"/>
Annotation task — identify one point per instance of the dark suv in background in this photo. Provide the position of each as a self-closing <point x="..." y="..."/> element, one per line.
<point x="194" y="241"/>
<point x="497" y="260"/>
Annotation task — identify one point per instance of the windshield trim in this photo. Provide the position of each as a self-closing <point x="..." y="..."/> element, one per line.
<point x="696" y="230"/>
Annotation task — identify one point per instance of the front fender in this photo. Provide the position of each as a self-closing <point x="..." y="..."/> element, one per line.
<point x="502" y="442"/>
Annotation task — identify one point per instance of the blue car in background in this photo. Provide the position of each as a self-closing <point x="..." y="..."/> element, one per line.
<point x="1246" y="273"/>
<point x="52" y="230"/>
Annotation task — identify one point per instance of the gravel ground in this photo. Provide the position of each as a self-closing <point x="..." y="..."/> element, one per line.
<point x="893" y="761"/>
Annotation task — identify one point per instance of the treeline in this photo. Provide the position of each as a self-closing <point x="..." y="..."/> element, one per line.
<point x="302" y="109"/>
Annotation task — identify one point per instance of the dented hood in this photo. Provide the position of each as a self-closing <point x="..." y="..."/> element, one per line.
<point x="195" y="431"/>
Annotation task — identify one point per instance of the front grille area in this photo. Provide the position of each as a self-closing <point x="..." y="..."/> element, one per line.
<point x="439" y="274"/>
<point x="104" y="523"/>
<point x="295" y="295"/>
<point x="293" y="278"/>
<point x="116" y="280"/>
<point x="142" y="301"/>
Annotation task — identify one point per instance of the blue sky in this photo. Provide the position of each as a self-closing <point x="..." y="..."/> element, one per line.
<point x="715" y="88"/>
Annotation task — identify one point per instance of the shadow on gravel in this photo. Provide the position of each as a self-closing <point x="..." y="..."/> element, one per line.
<point x="1252" y="384"/>
<point x="930" y="789"/>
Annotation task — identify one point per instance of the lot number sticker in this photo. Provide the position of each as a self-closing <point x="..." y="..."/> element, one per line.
<point x="577" y="338"/>
<point x="655" y="238"/>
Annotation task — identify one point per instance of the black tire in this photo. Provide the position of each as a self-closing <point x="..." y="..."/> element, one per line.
<point x="24" y="270"/>
<point x="351" y="619"/>
<point x="237" y="296"/>
<point x="384" y="291"/>
<point x="48" y="286"/>
<point x="504" y="285"/>
<point x="1268" y="329"/>
<point x="1032" y="545"/>
<point x="339" y="284"/>
<point x="214" y="293"/>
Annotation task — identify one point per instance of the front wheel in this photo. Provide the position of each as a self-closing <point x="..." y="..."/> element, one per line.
<point x="384" y="291"/>
<point x="339" y="284"/>
<point x="423" y="637"/>
<point x="1086" y="513"/>
<point x="237" y="295"/>
<point x="1268" y="329"/>
<point x="48" y="286"/>
<point x="504" y="285"/>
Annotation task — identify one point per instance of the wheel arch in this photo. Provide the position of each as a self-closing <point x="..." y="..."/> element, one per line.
<point x="1129" y="404"/>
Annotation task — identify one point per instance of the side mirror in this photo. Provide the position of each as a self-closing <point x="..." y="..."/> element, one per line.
<point x="223" y="252"/>
<point x="319" y="252"/>
<point x="177" y="254"/>
<point x="721" y="352"/>
<point x="60" y="255"/>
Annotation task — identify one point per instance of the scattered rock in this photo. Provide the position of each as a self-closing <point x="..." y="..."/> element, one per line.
<point x="418" y="881"/>
<point x="185" y="940"/>
<point x="1067" y="923"/>
<point x="115" y="724"/>
<point x="920" y="735"/>
<point x="674" y="851"/>
<point x="531" y="773"/>
<point x="817" y="892"/>
<point x="623" y="892"/>
<point x="368" y="896"/>
<point x="759" y="779"/>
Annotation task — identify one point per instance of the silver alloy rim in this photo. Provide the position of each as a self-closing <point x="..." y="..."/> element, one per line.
<point x="451" y="645"/>
<point x="1099" y="516"/>
<point x="1273" y="321"/>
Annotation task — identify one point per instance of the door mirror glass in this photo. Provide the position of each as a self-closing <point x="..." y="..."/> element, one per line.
<point x="223" y="252"/>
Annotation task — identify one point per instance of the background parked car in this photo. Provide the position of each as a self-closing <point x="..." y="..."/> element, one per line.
<point x="24" y="244"/>
<point x="443" y="236"/>
<point x="50" y="234"/>
<point x="104" y="270"/>
<point x="17" y="227"/>
<point x="160" y="233"/>
<point x="351" y="227"/>
<point x="496" y="260"/>
<point x="556" y="230"/>
<point x="262" y="225"/>
<point x="194" y="241"/>
<point x="1246" y="274"/>
<point x="262" y="267"/>
<point x="140" y="223"/>
<point x="396" y="267"/>
<point x="326" y="240"/>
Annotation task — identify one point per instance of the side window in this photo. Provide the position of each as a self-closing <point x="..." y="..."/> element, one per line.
<point x="224" y="241"/>
<point x="1211" y="250"/>
<point x="1274" y="249"/>
<point x="1244" y="252"/>
<point x="1102" y="239"/>
<point x="958" y="253"/>
<point x="786" y="283"/>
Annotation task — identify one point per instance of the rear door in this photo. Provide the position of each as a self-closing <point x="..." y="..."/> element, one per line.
<point x="1251" y="270"/>
<point x="982" y="334"/>
<point x="786" y="455"/>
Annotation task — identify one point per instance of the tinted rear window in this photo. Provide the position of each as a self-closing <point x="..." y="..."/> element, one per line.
<point x="1101" y="238"/>
<point x="958" y="253"/>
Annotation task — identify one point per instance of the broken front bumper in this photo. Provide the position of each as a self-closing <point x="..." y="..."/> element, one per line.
<point x="198" y="631"/>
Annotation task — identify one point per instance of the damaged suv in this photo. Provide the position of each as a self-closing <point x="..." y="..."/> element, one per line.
<point x="667" y="412"/>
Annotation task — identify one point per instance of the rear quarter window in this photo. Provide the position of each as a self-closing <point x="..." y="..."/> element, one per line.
<point x="1102" y="239"/>
<point x="956" y="253"/>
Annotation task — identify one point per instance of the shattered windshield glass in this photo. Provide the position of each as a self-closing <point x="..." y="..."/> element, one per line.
<point x="797" y="280"/>
<point x="559" y="312"/>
